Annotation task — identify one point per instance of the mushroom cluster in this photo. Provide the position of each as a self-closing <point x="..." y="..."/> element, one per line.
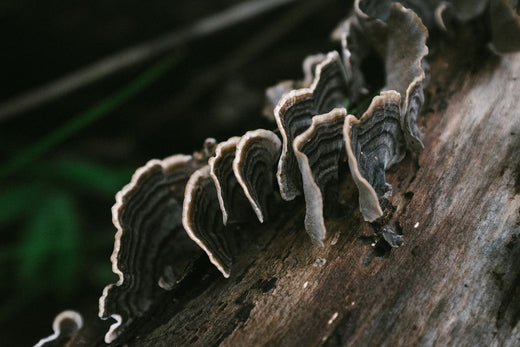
<point x="235" y="181"/>
<point x="208" y="194"/>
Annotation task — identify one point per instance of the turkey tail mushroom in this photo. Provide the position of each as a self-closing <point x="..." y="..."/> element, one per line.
<point x="256" y="156"/>
<point x="318" y="151"/>
<point x="406" y="49"/>
<point x="235" y="180"/>
<point x="275" y="93"/>
<point x="374" y="143"/>
<point x="399" y="37"/>
<point x="65" y="326"/>
<point x="149" y="240"/>
<point x="294" y="114"/>
<point x="232" y="200"/>
<point x="202" y="219"/>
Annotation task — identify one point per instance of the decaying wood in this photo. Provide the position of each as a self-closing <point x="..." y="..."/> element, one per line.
<point x="456" y="279"/>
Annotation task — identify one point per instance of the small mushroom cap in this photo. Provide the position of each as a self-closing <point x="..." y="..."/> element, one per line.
<point x="65" y="326"/>
<point x="256" y="156"/>
<point x="413" y="104"/>
<point x="230" y="195"/>
<point x="380" y="9"/>
<point x="398" y="35"/>
<point x="406" y="49"/>
<point x="373" y="144"/>
<point x="294" y="114"/>
<point x="291" y="121"/>
<point x="274" y="94"/>
<point x="202" y="219"/>
<point x="309" y="67"/>
<point x="318" y="151"/>
<point x="354" y="49"/>
<point x="149" y="239"/>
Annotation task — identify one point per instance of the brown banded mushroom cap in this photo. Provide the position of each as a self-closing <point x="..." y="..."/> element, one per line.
<point x="275" y="93"/>
<point x="65" y="326"/>
<point x="352" y="40"/>
<point x="255" y="161"/>
<point x="309" y="65"/>
<point x="294" y="114"/>
<point x="374" y="143"/>
<point x="372" y="17"/>
<point x="202" y="219"/>
<point x="318" y="151"/>
<point x="398" y="35"/>
<point x="406" y="50"/>
<point x="149" y="237"/>
<point x="230" y="195"/>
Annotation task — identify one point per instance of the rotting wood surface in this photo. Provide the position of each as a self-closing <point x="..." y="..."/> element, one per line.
<point x="456" y="279"/>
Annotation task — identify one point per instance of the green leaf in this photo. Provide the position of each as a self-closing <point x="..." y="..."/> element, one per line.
<point x="49" y="252"/>
<point x="16" y="202"/>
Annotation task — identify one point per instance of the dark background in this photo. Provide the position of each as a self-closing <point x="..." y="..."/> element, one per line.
<point x="55" y="221"/>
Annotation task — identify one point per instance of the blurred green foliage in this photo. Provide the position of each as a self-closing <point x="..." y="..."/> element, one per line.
<point x="50" y="242"/>
<point x="42" y="223"/>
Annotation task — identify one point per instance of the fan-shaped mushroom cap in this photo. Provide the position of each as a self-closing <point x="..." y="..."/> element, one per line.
<point x="232" y="200"/>
<point x="294" y="114"/>
<point x="374" y="143"/>
<point x="202" y="219"/>
<point x="309" y="65"/>
<point x="256" y="156"/>
<point x="352" y="40"/>
<point x="149" y="239"/>
<point x="65" y="326"/>
<point x="399" y="37"/>
<point x="275" y="93"/>
<point x="318" y="151"/>
<point x="406" y="49"/>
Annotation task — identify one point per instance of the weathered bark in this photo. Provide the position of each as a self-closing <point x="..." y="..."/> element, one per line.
<point x="456" y="279"/>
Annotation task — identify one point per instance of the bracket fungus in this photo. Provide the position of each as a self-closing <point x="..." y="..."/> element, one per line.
<point x="206" y="194"/>
<point x="275" y="93"/>
<point x="374" y="143"/>
<point x="405" y="51"/>
<point x="231" y="198"/>
<point x="318" y="151"/>
<point x="249" y="174"/>
<point x="149" y="241"/>
<point x="294" y="114"/>
<point x="399" y="38"/>
<point x="65" y="326"/>
<point x="256" y="157"/>
<point x="202" y="219"/>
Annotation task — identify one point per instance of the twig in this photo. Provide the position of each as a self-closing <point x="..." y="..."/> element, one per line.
<point x="205" y="79"/>
<point x="87" y="117"/>
<point x="134" y="55"/>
